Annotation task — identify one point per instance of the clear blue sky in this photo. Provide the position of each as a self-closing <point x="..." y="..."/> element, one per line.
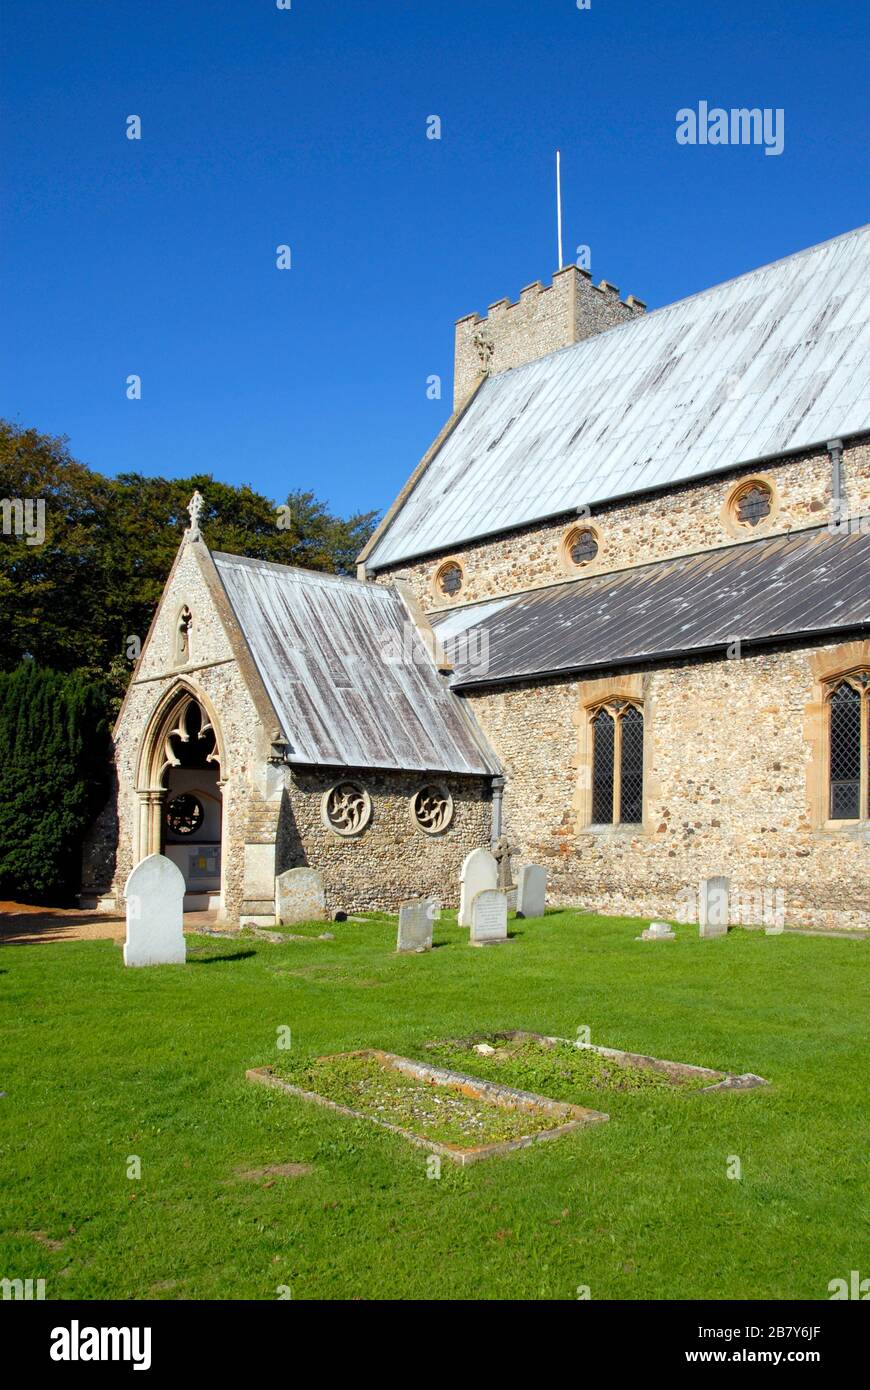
<point x="308" y="127"/>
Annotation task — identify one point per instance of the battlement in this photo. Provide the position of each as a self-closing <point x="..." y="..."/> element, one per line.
<point x="543" y="319"/>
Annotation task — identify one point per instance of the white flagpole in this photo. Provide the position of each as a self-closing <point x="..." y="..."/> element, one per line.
<point x="559" y="203"/>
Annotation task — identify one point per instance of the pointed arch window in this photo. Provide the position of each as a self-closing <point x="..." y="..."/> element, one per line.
<point x="617" y="764"/>
<point x="849" y="748"/>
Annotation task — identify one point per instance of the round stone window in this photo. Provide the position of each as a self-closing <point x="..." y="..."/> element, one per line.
<point x="184" y="814"/>
<point x="580" y="547"/>
<point x="449" y="579"/>
<point x="432" y="808"/>
<point x="752" y="504"/>
<point x="346" y="809"/>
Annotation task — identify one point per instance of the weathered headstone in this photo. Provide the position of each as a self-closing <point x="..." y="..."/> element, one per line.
<point x="416" y="920"/>
<point x="488" y="917"/>
<point x="479" y="871"/>
<point x="154" y="893"/>
<point x="299" y="897"/>
<point x="713" y="896"/>
<point x="658" y="931"/>
<point x="532" y="895"/>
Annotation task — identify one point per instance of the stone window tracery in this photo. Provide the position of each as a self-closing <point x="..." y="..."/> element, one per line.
<point x="184" y="814"/>
<point x="346" y="809"/>
<point x="449" y="579"/>
<point x="432" y="808"/>
<point x="752" y="504"/>
<point x="617" y="763"/>
<point x="580" y="547"/>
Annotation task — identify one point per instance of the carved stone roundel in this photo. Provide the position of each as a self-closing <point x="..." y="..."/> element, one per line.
<point x="432" y="808"/>
<point x="347" y="808"/>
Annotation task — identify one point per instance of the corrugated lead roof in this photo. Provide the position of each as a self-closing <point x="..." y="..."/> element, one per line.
<point x="350" y="679"/>
<point x="812" y="582"/>
<point x="772" y="362"/>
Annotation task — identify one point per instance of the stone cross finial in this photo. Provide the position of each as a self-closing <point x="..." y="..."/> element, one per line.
<point x="195" y="506"/>
<point x="501" y="852"/>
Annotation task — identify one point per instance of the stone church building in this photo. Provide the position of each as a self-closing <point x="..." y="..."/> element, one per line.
<point x="619" y="613"/>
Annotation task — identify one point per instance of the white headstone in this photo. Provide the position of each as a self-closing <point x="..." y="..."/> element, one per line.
<point x="479" y="871"/>
<point x="299" y="896"/>
<point x="488" y="917"/>
<point x="416" y="920"/>
<point x="658" y="931"/>
<point x="532" y="892"/>
<point x="154" y="894"/>
<point x="713" y="906"/>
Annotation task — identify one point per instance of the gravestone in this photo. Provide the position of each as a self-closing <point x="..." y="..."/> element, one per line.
<point x="416" y="919"/>
<point x="299" y="897"/>
<point x="713" y="906"/>
<point x="479" y="871"/>
<point x="532" y="895"/>
<point x="154" y="893"/>
<point x="657" y="931"/>
<point x="489" y="917"/>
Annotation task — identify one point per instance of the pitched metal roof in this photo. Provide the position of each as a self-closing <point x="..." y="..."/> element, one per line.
<point x="351" y="680"/>
<point x="775" y="361"/>
<point x="809" y="583"/>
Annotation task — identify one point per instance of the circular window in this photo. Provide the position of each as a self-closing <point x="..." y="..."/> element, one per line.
<point x="346" y="808"/>
<point x="750" y="504"/>
<point x="432" y="808"/>
<point x="449" y="579"/>
<point x="580" y="547"/>
<point x="184" y="814"/>
<point x="753" y="505"/>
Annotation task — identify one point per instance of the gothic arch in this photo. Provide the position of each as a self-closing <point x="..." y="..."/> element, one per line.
<point x="172" y="723"/>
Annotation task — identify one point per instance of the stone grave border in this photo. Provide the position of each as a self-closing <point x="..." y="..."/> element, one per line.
<point x="572" y="1117"/>
<point x="720" y="1080"/>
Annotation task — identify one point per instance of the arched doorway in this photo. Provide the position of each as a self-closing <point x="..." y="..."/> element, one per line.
<point x="180" y="790"/>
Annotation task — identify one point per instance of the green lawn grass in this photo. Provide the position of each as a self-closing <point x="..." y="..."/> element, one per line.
<point x="101" y="1063"/>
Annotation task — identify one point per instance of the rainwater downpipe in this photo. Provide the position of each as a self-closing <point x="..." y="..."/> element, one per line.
<point x="838" y="495"/>
<point x="497" y="806"/>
